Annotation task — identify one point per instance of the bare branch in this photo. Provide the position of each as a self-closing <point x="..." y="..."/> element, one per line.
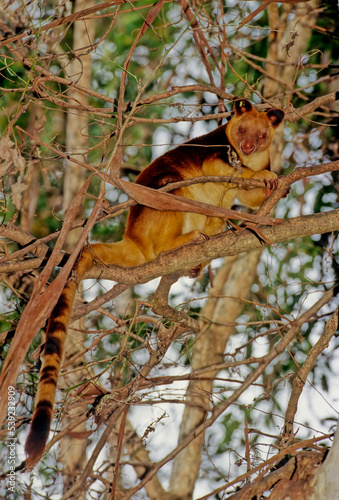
<point x="300" y="377"/>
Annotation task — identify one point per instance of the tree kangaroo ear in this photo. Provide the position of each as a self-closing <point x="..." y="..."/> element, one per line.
<point x="242" y="106"/>
<point x="275" y="116"/>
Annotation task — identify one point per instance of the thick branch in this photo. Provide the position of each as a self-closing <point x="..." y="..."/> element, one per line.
<point x="222" y="245"/>
<point x="229" y="243"/>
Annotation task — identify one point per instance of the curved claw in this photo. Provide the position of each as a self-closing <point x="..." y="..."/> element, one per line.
<point x="271" y="185"/>
<point x="287" y="192"/>
<point x="194" y="273"/>
<point x="203" y="237"/>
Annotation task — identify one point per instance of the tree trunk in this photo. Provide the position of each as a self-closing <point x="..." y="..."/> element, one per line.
<point x="223" y="307"/>
<point x="72" y="450"/>
<point x="327" y="478"/>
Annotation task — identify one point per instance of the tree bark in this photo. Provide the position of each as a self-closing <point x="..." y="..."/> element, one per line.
<point x="222" y="309"/>
<point x="327" y="478"/>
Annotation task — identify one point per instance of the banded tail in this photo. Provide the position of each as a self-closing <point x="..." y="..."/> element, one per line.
<point x="124" y="253"/>
<point x="52" y="357"/>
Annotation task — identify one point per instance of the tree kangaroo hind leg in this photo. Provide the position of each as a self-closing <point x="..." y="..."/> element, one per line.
<point x="124" y="253"/>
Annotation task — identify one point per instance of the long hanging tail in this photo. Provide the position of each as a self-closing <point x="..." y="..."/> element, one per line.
<point x="124" y="253"/>
<point x="54" y="345"/>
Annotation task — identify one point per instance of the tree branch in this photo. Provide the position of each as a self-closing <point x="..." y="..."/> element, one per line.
<point x="300" y="377"/>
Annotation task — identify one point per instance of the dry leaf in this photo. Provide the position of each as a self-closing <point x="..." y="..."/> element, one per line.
<point x="11" y="161"/>
<point x="17" y="189"/>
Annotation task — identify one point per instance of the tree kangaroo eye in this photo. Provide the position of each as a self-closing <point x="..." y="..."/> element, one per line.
<point x="241" y="130"/>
